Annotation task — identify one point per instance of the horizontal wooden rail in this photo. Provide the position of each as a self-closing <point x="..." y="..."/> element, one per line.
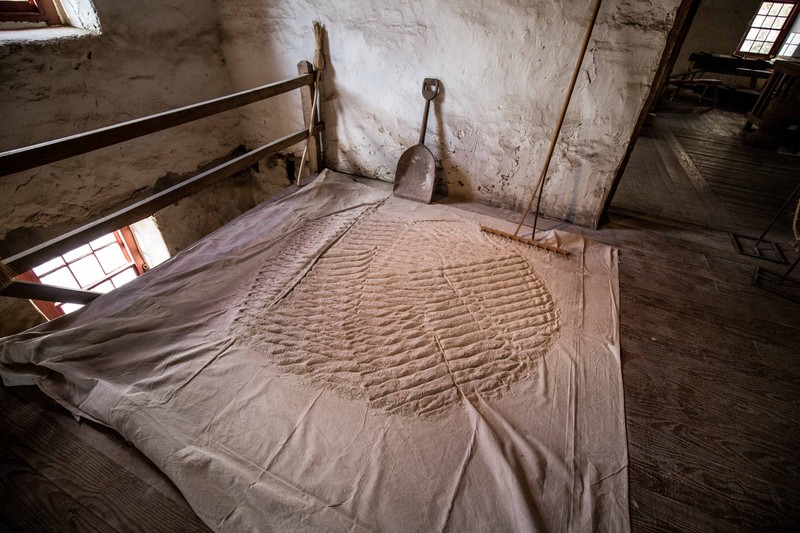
<point x="56" y="150"/>
<point x="50" y="293"/>
<point x="133" y="213"/>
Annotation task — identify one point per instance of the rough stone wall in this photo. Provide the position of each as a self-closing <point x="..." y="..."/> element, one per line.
<point x="504" y="66"/>
<point x="18" y="315"/>
<point x="718" y="27"/>
<point x="151" y="56"/>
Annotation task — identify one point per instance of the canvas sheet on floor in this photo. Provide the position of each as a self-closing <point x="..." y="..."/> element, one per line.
<point x="346" y="360"/>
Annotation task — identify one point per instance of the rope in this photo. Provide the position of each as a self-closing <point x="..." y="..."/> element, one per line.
<point x="796" y="226"/>
<point x="319" y="65"/>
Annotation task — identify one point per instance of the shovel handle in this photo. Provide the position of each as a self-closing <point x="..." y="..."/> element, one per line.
<point x="430" y="88"/>
<point x="424" y="123"/>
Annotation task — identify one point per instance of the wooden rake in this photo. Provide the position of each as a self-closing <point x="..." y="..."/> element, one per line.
<point x="537" y="189"/>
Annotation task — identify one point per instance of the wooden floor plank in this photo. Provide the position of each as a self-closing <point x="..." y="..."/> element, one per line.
<point x="664" y="514"/>
<point x="710" y="369"/>
<point x="31" y="502"/>
<point x="707" y="287"/>
<point x="101" y="439"/>
<point x="89" y="476"/>
<point x="709" y="361"/>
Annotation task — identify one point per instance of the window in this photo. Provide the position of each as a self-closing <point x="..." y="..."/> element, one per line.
<point x="768" y="28"/>
<point x="101" y="265"/>
<point x="790" y="46"/>
<point x="29" y="11"/>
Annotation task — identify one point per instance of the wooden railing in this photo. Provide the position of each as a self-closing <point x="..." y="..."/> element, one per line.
<point x="49" y="152"/>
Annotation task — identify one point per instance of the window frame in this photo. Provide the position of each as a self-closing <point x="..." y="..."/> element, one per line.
<point x="133" y="257"/>
<point x="795" y="46"/>
<point x="776" y="46"/>
<point x="30" y="11"/>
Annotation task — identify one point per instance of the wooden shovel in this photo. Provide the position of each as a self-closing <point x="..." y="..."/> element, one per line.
<point x="416" y="168"/>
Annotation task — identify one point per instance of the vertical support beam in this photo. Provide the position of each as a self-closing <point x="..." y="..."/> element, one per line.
<point x="50" y="12"/>
<point x="677" y="35"/>
<point x="314" y="156"/>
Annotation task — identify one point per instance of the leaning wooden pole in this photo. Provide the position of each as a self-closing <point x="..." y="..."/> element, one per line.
<point x="7" y="275"/>
<point x="560" y="122"/>
<point x="319" y="65"/>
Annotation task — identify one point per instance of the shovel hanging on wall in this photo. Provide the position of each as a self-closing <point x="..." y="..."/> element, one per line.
<point x="416" y="168"/>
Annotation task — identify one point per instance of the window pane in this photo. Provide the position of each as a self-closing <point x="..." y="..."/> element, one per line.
<point x="765" y="7"/>
<point x="778" y="24"/>
<point x="68" y="308"/>
<point x="124" y="277"/>
<point x="87" y="270"/>
<point x="762" y="35"/>
<point x="775" y="9"/>
<point x="746" y="46"/>
<point x="758" y="22"/>
<point x="786" y="9"/>
<point x="47" y="267"/>
<point x="111" y="258"/>
<point x="765" y="48"/>
<point x="61" y="277"/>
<point x="752" y="34"/>
<point x="795" y="38"/>
<point x="773" y="36"/>
<point x="77" y="252"/>
<point x="104" y="287"/>
<point x="102" y="241"/>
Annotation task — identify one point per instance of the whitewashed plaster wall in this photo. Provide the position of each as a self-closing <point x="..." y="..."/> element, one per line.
<point x="151" y="56"/>
<point x="504" y="66"/>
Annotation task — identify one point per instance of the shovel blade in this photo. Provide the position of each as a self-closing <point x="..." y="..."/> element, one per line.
<point x="415" y="173"/>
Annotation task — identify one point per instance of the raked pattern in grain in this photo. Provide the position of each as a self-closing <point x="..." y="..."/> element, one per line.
<point x="410" y="316"/>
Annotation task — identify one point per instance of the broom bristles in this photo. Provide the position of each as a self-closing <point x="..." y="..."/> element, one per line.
<point x="7" y="275"/>
<point x="319" y="57"/>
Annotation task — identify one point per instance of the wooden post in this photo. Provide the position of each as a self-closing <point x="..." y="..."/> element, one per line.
<point x="675" y="40"/>
<point x="314" y="156"/>
<point x="144" y="208"/>
<point x="51" y="151"/>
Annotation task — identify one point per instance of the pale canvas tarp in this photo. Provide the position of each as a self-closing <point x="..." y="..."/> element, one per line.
<point x="340" y="360"/>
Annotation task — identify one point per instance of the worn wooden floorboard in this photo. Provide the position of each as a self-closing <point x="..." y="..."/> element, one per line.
<point x="663" y="176"/>
<point x="710" y="363"/>
<point x="705" y="286"/>
<point x="711" y="378"/>
<point x="84" y="465"/>
<point x="665" y="514"/>
<point x="720" y="182"/>
<point x="103" y="440"/>
<point x="751" y="182"/>
<point x="710" y="368"/>
<point x="38" y="504"/>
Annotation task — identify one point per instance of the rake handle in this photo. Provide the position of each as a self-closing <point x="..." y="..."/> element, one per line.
<point x="557" y="132"/>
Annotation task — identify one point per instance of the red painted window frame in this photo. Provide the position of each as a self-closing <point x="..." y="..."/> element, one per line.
<point x="130" y="249"/>
<point x="776" y="46"/>
<point x="30" y="11"/>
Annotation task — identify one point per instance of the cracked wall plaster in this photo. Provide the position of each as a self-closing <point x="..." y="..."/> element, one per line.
<point x="504" y="67"/>
<point x="151" y="56"/>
